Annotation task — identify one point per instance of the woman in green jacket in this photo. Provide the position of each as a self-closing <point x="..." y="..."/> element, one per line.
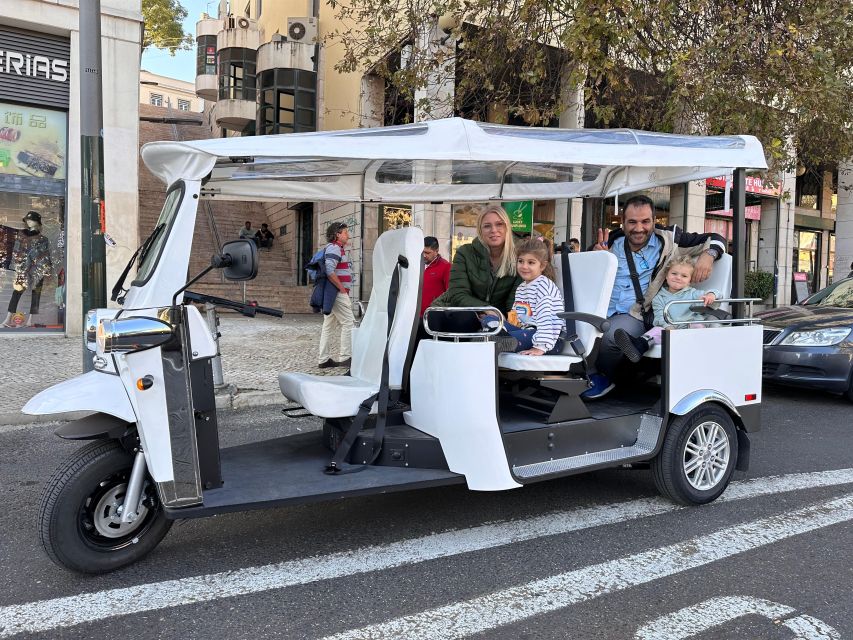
<point x="483" y="274"/>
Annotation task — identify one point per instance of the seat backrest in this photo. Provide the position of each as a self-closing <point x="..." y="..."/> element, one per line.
<point x="720" y="280"/>
<point x="370" y="336"/>
<point x="593" y="275"/>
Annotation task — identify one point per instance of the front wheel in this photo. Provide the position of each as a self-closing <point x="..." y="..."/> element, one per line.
<point x="698" y="456"/>
<point x="79" y="515"/>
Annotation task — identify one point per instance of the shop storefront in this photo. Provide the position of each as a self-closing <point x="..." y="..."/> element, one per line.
<point x="33" y="169"/>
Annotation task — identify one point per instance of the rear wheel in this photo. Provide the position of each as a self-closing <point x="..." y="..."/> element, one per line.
<point x="698" y="456"/>
<point x="80" y="512"/>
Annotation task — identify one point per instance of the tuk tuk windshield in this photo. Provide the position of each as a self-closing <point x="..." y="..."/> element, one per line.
<point x="150" y="252"/>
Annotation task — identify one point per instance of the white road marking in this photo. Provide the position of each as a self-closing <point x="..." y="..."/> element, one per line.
<point x="463" y="619"/>
<point x="692" y="621"/>
<point x="89" y="607"/>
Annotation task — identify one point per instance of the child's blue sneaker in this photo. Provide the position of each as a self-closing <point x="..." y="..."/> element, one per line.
<point x="601" y="386"/>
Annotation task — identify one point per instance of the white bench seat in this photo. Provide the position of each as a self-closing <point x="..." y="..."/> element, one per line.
<point x="331" y="396"/>
<point x="340" y="396"/>
<point x="593" y="274"/>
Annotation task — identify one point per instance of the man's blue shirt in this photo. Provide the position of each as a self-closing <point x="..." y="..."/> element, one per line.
<point x="623" y="297"/>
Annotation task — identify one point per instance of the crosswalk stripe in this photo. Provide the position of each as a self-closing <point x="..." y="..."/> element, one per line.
<point x="462" y="619"/>
<point x="89" y="607"/>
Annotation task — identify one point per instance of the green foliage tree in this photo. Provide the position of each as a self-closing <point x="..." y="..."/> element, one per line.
<point x="779" y="69"/>
<point x="163" y="25"/>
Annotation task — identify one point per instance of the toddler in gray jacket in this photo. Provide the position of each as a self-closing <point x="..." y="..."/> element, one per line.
<point x="679" y="270"/>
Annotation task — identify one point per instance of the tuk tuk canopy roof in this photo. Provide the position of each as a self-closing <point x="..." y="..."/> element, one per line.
<point x="452" y="160"/>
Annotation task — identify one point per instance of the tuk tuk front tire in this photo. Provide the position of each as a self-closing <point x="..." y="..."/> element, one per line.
<point x="698" y="456"/>
<point x="77" y="517"/>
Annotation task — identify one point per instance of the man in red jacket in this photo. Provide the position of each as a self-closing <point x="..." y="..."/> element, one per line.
<point x="436" y="273"/>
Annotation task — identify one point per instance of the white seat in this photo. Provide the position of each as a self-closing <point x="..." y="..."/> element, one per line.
<point x="719" y="280"/>
<point x="340" y="396"/>
<point x="593" y="274"/>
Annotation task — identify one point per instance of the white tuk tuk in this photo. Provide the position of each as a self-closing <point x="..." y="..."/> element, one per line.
<point x="454" y="410"/>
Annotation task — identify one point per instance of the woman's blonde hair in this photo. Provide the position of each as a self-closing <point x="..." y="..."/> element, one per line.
<point x="678" y="261"/>
<point x="507" y="263"/>
<point x="542" y="250"/>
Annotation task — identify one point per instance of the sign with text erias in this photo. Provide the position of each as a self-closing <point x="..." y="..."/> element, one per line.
<point x="32" y="142"/>
<point x="520" y="215"/>
<point x="754" y="184"/>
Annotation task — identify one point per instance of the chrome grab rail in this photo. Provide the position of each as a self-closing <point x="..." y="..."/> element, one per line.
<point x="485" y="335"/>
<point x="748" y="320"/>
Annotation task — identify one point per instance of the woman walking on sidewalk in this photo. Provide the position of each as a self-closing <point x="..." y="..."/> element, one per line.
<point x="338" y="275"/>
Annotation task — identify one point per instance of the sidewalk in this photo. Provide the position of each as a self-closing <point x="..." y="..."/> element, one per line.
<point x="254" y="351"/>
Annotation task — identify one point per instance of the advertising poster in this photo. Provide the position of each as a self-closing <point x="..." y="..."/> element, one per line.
<point x="32" y="145"/>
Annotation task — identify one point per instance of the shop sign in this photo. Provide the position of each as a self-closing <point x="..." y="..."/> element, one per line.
<point x="34" y="67"/>
<point x="32" y="142"/>
<point x="754" y="185"/>
<point x="751" y="212"/>
<point x="520" y="215"/>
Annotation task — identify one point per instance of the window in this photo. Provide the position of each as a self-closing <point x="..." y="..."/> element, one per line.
<point x="237" y="74"/>
<point x="156" y="99"/>
<point x="205" y="63"/>
<point x="183" y="105"/>
<point x="288" y="102"/>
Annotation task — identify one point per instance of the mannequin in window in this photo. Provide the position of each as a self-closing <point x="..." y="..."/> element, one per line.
<point x="31" y="263"/>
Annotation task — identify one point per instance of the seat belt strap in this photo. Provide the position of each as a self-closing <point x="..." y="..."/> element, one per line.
<point x="383" y="396"/>
<point x="568" y="293"/>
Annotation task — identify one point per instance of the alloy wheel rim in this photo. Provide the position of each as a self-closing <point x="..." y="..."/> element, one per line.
<point x="707" y="454"/>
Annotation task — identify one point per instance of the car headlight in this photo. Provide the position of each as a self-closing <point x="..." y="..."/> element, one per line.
<point x="126" y="335"/>
<point x="816" y="338"/>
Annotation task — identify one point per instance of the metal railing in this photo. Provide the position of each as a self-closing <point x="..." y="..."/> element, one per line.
<point x="483" y="334"/>
<point x="748" y="320"/>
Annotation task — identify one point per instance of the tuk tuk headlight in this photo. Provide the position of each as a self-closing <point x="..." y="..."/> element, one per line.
<point x="126" y="335"/>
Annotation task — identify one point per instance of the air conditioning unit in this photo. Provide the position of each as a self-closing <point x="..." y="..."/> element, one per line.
<point x="243" y="23"/>
<point x="302" y="30"/>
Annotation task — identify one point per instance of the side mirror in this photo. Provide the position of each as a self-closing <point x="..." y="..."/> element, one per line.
<point x="239" y="259"/>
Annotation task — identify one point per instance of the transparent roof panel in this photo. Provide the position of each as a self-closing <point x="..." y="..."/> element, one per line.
<point x="614" y="136"/>
<point x="378" y="132"/>
<point x="294" y="169"/>
<point x="523" y="172"/>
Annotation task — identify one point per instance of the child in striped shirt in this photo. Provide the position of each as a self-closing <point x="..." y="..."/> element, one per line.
<point x="533" y="321"/>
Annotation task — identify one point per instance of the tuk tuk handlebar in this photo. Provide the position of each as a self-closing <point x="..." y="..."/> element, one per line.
<point x="247" y="309"/>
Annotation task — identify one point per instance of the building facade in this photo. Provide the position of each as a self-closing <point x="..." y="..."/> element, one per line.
<point x="162" y="91"/>
<point x="40" y="194"/>
<point x="268" y="70"/>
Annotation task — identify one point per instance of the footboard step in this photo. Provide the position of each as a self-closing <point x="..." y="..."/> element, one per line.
<point x="647" y="438"/>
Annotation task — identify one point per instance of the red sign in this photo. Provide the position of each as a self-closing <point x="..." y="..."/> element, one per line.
<point x="752" y="212"/>
<point x="801" y="276"/>
<point x="753" y="185"/>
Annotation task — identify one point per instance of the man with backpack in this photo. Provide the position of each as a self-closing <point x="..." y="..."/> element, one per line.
<point x="331" y="295"/>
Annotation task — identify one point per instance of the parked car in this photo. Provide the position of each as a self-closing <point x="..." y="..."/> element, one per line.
<point x="811" y="344"/>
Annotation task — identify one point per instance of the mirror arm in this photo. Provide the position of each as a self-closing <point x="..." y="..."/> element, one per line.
<point x="186" y="286"/>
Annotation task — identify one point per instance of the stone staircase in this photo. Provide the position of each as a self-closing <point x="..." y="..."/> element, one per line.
<point x="276" y="284"/>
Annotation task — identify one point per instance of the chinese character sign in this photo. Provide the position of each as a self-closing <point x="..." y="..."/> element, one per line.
<point x="32" y="142"/>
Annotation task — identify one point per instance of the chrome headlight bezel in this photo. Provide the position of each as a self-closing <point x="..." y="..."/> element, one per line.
<point x="132" y="334"/>
<point x="816" y="337"/>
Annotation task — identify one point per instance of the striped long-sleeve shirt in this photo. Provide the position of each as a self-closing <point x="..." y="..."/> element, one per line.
<point x="537" y="304"/>
<point x="337" y="263"/>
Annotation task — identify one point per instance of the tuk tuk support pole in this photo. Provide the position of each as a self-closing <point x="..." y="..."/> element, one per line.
<point x="213" y="327"/>
<point x="739" y="239"/>
<point x="93" y="215"/>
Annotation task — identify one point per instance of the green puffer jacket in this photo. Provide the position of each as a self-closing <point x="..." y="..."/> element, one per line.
<point x="472" y="283"/>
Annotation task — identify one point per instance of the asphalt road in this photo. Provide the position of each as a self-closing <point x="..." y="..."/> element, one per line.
<point x="592" y="556"/>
